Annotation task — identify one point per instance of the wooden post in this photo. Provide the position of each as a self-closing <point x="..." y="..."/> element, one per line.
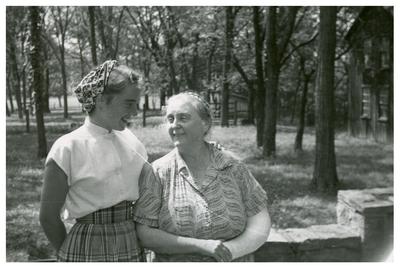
<point x="235" y="113"/>
<point x="27" y="120"/>
<point x="144" y="114"/>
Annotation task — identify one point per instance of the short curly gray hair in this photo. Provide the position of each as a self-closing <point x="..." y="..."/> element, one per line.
<point x="202" y="107"/>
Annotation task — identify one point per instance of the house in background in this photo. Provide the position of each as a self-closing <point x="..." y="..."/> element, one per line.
<point x="371" y="74"/>
<point x="238" y="106"/>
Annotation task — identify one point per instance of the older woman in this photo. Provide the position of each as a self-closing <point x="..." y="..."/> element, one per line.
<point x="202" y="204"/>
<point x="92" y="173"/>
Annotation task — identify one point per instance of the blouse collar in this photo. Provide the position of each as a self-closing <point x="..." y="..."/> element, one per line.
<point x="219" y="160"/>
<point x="95" y="129"/>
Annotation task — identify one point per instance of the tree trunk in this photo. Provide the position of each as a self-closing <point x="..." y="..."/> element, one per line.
<point x="92" y="35"/>
<point x="23" y="78"/>
<point x="260" y="93"/>
<point x="16" y="82"/>
<point x="298" y="144"/>
<point x="146" y="101"/>
<point x="250" y="104"/>
<point x="64" y="80"/>
<point x="59" y="101"/>
<point x="119" y="27"/>
<point x="272" y="86"/>
<point x="9" y="93"/>
<point x="46" y="95"/>
<point x="325" y="175"/>
<point x="37" y="81"/>
<point x="162" y="98"/>
<point x="194" y="78"/>
<point x="8" y="114"/>
<point x="173" y="85"/>
<point x="81" y="58"/>
<point x="295" y="100"/>
<point x="31" y="99"/>
<point x="210" y="58"/>
<point x="107" y="53"/>
<point x="209" y="70"/>
<point x="146" y="67"/>
<point x="250" y="88"/>
<point x="23" y="72"/>
<point x="229" y="24"/>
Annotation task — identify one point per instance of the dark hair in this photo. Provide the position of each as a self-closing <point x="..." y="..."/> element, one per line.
<point x="120" y="77"/>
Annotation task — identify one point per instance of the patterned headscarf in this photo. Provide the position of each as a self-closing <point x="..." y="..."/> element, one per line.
<point x="93" y="84"/>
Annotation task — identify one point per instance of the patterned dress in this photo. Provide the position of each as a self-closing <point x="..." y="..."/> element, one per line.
<point x="214" y="207"/>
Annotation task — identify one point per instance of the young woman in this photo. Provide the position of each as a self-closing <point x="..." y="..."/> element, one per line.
<point x="92" y="173"/>
<point x="202" y="204"/>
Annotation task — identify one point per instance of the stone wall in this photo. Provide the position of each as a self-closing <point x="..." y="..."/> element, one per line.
<point x="364" y="232"/>
<point x="370" y="213"/>
<point x="321" y="243"/>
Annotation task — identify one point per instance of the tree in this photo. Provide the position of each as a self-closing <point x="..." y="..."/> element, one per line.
<point x="167" y="22"/>
<point x="229" y="24"/>
<point x="11" y="49"/>
<point x="306" y="73"/>
<point x="276" y="49"/>
<point x="46" y="71"/>
<point x="22" y="29"/>
<point x="37" y="76"/>
<point x="260" y="100"/>
<point x="107" y="22"/>
<point x="8" y="88"/>
<point x="325" y="176"/>
<point x="148" y="28"/>
<point x="62" y="18"/>
<point x="8" y="114"/>
<point x="272" y="75"/>
<point x="93" y="46"/>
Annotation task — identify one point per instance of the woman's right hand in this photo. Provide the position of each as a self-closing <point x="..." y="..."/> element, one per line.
<point x="216" y="249"/>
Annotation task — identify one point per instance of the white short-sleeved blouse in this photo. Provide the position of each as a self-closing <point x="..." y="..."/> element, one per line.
<point x="102" y="167"/>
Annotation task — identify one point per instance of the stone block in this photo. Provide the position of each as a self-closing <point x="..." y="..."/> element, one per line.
<point x="370" y="213"/>
<point x="276" y="249"/>
<point x="330" y="255"/>
<point x="322" y="236"/>
<point x="372" y="201"/>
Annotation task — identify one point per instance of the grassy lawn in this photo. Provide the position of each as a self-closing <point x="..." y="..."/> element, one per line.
<point x="360" y="163"/>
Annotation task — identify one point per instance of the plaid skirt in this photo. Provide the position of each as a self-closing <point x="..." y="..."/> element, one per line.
<point x="107" y="235"/>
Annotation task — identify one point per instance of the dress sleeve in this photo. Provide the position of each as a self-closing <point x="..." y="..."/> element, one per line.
<point x="253" y="195"/>
<point x="60" y="152"/>
<point x="147" y="208"/>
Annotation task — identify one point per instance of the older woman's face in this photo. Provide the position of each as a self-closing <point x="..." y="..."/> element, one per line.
<point x="185" y="127"/>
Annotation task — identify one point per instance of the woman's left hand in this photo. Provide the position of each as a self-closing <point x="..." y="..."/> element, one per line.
<point x="223" y="254"/>
<point x="216" y="249"/>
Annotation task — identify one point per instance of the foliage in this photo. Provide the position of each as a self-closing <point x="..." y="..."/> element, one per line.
<point x="139" y="36"/>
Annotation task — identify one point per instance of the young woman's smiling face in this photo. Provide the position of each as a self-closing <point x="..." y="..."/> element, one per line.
<point x="121" y="108"/>
<point x="185" y="127"/>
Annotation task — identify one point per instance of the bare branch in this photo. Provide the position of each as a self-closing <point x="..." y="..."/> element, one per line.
<point x="296" y="47"/>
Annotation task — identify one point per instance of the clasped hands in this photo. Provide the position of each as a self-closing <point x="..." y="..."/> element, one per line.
<point x="217" y="250"/>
